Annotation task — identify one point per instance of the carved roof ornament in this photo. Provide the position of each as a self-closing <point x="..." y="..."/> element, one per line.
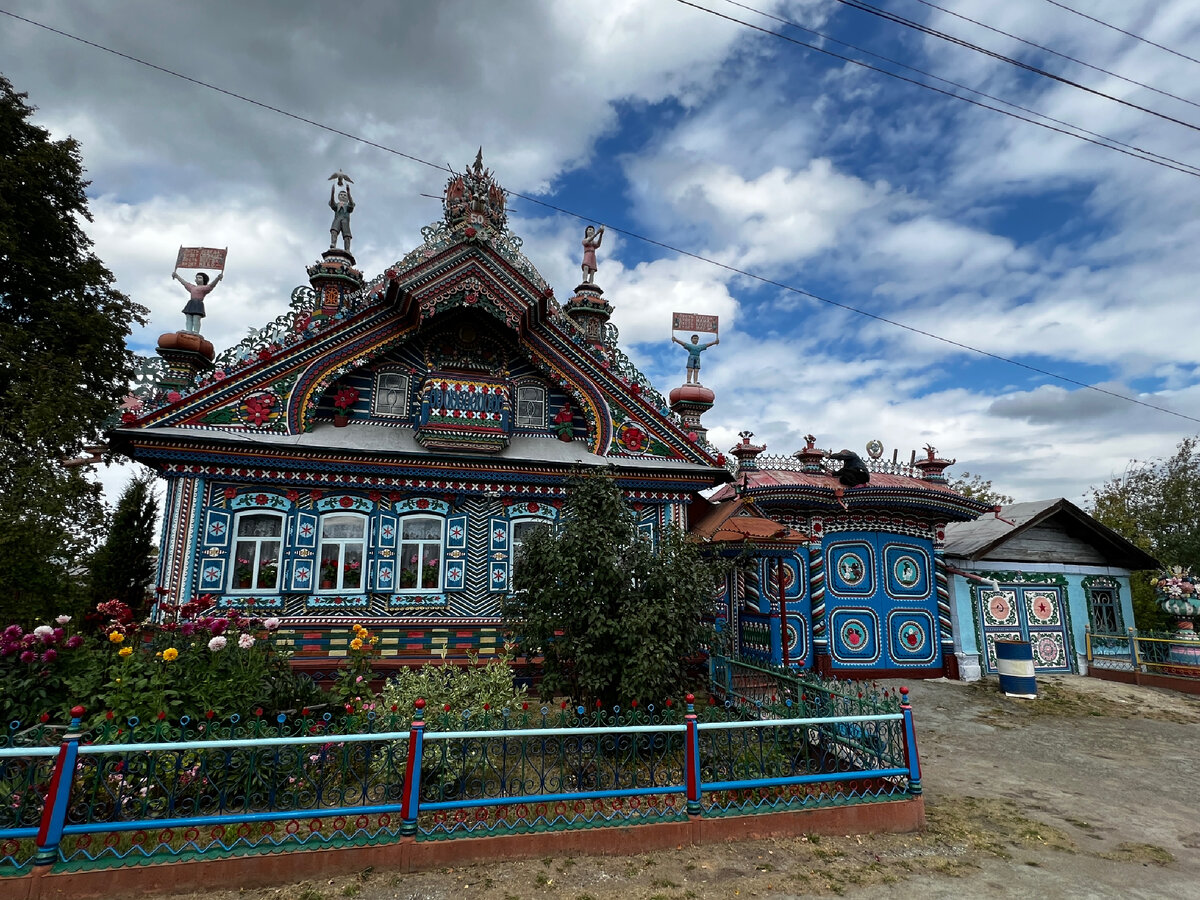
<point x="474" y="203"/>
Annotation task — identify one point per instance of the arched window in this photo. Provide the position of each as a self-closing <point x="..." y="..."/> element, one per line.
<point x="258" y="536"/>
<point x="531" y="406"/>
<point x="343" y="546"/>
<point x="421" y="553"/>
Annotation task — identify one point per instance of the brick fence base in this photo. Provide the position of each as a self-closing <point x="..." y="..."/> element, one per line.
<point x="410" y="855"/>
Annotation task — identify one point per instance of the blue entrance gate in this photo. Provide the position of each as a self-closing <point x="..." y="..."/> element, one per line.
<point x="881" y="607"/>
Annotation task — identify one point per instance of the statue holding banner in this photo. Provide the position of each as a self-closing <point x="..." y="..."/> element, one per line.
<point x="196" y="258"/>
<point x="701" y="325"/>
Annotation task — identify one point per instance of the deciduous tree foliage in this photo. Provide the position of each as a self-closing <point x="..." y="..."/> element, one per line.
<point x="615" y="618"/>
<point x="123" y="568"/>
<point x="64" y="366"/>
<point x="978" y="488"/>
<point x="1156" y="505"/>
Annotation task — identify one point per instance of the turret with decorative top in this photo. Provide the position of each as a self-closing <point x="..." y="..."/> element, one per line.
<point x="746" y="452"/>
<point x="932" y="466"/>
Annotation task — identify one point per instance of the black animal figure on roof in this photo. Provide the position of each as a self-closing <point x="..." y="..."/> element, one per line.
<point x="853" y="471"/>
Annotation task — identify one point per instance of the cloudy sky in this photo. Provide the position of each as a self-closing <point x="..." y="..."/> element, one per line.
<point x="665" y="121"/>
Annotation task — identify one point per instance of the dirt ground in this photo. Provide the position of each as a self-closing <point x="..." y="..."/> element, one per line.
<point x="1087" y="792"/>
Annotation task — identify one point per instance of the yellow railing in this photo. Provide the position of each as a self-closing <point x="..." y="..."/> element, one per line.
<point x="1162" y="654"/>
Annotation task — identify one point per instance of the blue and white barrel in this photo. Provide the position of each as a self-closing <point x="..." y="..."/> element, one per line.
<point x="1014" y="664"/>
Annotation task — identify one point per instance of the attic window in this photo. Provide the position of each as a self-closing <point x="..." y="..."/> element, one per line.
<point x="531" y="406"/>
<point x="391" y="394"/>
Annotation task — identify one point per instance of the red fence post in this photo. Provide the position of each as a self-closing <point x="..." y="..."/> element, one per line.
<point x="58" y="798"/>
<point x="410" y="799"/>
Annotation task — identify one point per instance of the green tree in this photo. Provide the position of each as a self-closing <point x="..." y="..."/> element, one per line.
<point x="123" y="568"/>
<point x="978" y="488"/>
<point x="1156" y="505"/>
<point x="614" y="618"/>
<point x="64" y="366"/>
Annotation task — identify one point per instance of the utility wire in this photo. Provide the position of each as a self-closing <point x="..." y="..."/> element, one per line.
<point x="1136" y="37"/>
<point x="1154" y="158"/>
<point x="1080" y="62"/>
<point x="630" y="234"/>
<point x="862" y="6"/>
<point x="959" y="85"/>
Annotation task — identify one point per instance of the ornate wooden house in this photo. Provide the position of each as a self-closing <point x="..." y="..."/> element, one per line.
<point x="1041" y="572"/>
<point x="853" y="579"/>
<point x="376" y="454"/>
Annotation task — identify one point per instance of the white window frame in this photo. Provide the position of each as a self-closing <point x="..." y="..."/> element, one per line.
<point x="514" y="543"/>
<point x="339" y="585"/>
<point x="438" y="545"/>
<point x="379" y="391"/>
<point x="525" y="422"/>
<point x="256" y="559"/>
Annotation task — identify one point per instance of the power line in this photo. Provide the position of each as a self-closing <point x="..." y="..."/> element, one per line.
<point x="1148" y="156"/>
<point x="631" y="234"/>
<point x="1080" y="62"/>
<point x="862" y="6"/>
<point x="960" y="86"/>
<point x="1136" y="37"/>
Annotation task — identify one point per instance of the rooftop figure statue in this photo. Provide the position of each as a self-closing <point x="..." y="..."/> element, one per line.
<point x="694" y="349"/>
<point x="342" y="208"/>
<point x="194" y="311"/>
<point x="591" y="242"/>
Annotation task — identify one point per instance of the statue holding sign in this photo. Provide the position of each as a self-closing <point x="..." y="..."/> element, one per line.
<point x="195" y="258"/>
<point x="699" y="325"/>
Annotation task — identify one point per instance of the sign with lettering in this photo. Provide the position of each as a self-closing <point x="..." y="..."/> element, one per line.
<point x="693" y="323"/>
<point x="464" y="413"/>
<point x="201" y="258"/>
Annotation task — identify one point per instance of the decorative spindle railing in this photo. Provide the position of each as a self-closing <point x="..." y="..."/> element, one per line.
<point x="792" y="464"/>
<point x="93" y="805"/>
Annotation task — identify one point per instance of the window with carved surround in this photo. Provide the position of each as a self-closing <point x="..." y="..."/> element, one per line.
<point x="257" y="542"/>
<point x="391" y="394"/>
<point x="1104" y="608"/>
<point x="531" y="406"/>
<point x="341" y="553"/>
<point x="421" y="553"/>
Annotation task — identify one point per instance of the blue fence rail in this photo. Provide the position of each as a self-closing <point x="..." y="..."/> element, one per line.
<point x="87" y="806"/>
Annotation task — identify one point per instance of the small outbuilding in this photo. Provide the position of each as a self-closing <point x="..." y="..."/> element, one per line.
<point x="1043" y="572"/>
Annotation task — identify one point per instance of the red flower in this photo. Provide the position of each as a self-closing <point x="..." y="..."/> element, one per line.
<point x="293" y="495"/>
<point x="345" y="503"/>
<point x="422" y="503"/>
<point x="374" y="496"/>
<point x="345" y="397"/>
<point x="314" y="494"/>
<point x="230" y="493"/>
<point x="470" y="232"/>
<point x="533" y="506"/>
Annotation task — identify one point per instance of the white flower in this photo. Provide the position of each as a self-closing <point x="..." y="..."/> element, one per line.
<point x="63" y="620"/>
<point x="271" y="624"/>
<point x="246" y="642"/>
<point x="42" y="632"/>
<point x="217" y="643"/>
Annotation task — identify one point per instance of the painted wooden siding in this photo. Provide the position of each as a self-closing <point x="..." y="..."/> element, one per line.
<point x="1047" y="543"/>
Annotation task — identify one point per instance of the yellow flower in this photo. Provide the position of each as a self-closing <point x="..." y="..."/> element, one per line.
<point x="170" y="654"/>
<point x="356" y="644"/>
<point x="125" y="651"/>
<point x="116" y="637"/>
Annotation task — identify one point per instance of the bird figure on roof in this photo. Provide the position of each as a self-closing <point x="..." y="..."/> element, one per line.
<point x="853" y="471"/>
<point x="342" y="178"/>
